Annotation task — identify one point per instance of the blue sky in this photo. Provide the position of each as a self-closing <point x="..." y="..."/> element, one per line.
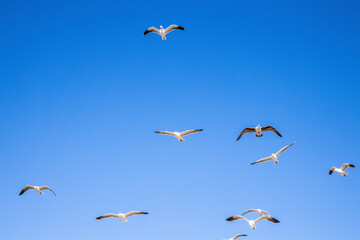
<point x="82" y="90"/>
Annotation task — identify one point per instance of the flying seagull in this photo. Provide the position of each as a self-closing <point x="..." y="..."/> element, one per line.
<point x="162" y="32"/>
<point x="179" y="135"/>
<point x="122" y="216"/>
<point x="273" y="157"/>
<point x="252" y="223"/>
<point x="236" y="236"/>
<point x="37" y="189"/>
<point x="259" y="211"/>
<point x="258" y="130"/>
<point x="342" y="169"/>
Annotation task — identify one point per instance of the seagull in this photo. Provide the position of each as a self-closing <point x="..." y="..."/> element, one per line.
<point x="236" y="236"/>
<point x="179" y="135"/>
<point x="252" y="223"/>
<point x="259" y="211"/>
<point x="122" y="216"/>
<point x="36" y="188"/>
<point x="273" y="157"/>
<point x="342" y="169"/>
<point x="162" y="32"/>
<point x="258" y="130"/>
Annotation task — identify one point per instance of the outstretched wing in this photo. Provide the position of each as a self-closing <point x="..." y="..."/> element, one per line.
<point x="27" y="187"/>
<point x="283" y="149"/>
<point x="270" y="128"/>
<point x="250" y="210"/>
<point x="108" y="215"/>
<point x="261" y="160"/>
<point x="270" y="218"/>
<point x="332" y="169"/>
<point x="173" y="27"/>
<point x="235" y="217"/>
<point x="152" y="29"/>
<point x="239" y="235"/>
<point x="134" y="212"/>
<point x="188" y="132"/>
<point x="246" y="130"/>
<point x="346" y="165"/>
<point x="47" y="188"/>
<point x="165" y="133"/>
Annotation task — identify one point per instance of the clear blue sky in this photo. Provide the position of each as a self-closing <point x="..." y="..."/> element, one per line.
<point x="82" y="90"/>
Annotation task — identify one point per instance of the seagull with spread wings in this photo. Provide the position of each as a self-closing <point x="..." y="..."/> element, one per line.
<point x="162" y="32"/>
<point x="259" y="211"/>
<point x="258" y="130"/>
<point x="342" y="169"/>
<point x="252" y="223"/>
<point x="122" y="216"/>
<point x="236" y="236"/>
<point x="273" y="157"/>
<point x="37" y="189"/>
<point x="179" y="135"/>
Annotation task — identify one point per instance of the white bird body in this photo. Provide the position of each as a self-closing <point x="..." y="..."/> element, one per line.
<point x="258" y="131"/>
<point x="342" y="169"/>
<point x="122" y="217"/>
<point x="274" y="158"/>
<point x="162" y="33"/>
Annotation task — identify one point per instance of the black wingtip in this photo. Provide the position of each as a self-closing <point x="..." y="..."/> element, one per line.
<point x="229" y="219"/>
<point x="351" y="165"/>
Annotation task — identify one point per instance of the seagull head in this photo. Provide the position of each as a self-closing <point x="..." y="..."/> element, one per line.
<point x="161" y="27"/>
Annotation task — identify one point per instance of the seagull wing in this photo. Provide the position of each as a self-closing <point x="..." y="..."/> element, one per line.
<point x="238" y="235"/>
<point x="134" y="212"/>
<point x="152" y="29"/>
<point x="166" y="133"/>
<point x="346" y="165"/>
<point x="246" y="130"/>
<point x="236" y="217"/>
<point x="188" y="132"/>
<point x="108" y="215"/>
<point x="27" y="187"/>
<point x="270" y="218"/>
<point x="173" y="27"/>
<point x="47" y="188"/>
<point x="261" y="160"/>
<point x="271" y="128"/>
<point x="283" y="149"/>
<point x="263" y="211"/>
<point x="250" y="210"/>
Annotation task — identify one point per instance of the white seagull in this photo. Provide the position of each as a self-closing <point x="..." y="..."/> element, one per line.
<point x="236" y="236"/>
<point x="122" y="216"/>
<point x="36" y="188"/>
<point x="259" y="211"/>
<point x="258" y="130"/>
<point x="252" y="223"/>
<point x="273" y="156"/>
<point x="162" y="32"/>
<point x="342" y="169"/>
<point x="179" y="135"/>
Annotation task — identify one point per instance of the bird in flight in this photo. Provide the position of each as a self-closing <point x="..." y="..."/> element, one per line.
<point x="162" y="32"/>
<point x="122" y="216"/>
<point x="252" y="223"/>
<point x="236" y="236"/>
<point x="179" y="135"/>
<point x="259" y="211"/>
<point x="273" y="157"/>
<point x="37" y="189"/>
<point x="258" y="130"/>
<point x="342" y="169"/>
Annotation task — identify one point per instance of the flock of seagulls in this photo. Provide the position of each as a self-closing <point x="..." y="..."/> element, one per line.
<point x="264" y="215"/>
